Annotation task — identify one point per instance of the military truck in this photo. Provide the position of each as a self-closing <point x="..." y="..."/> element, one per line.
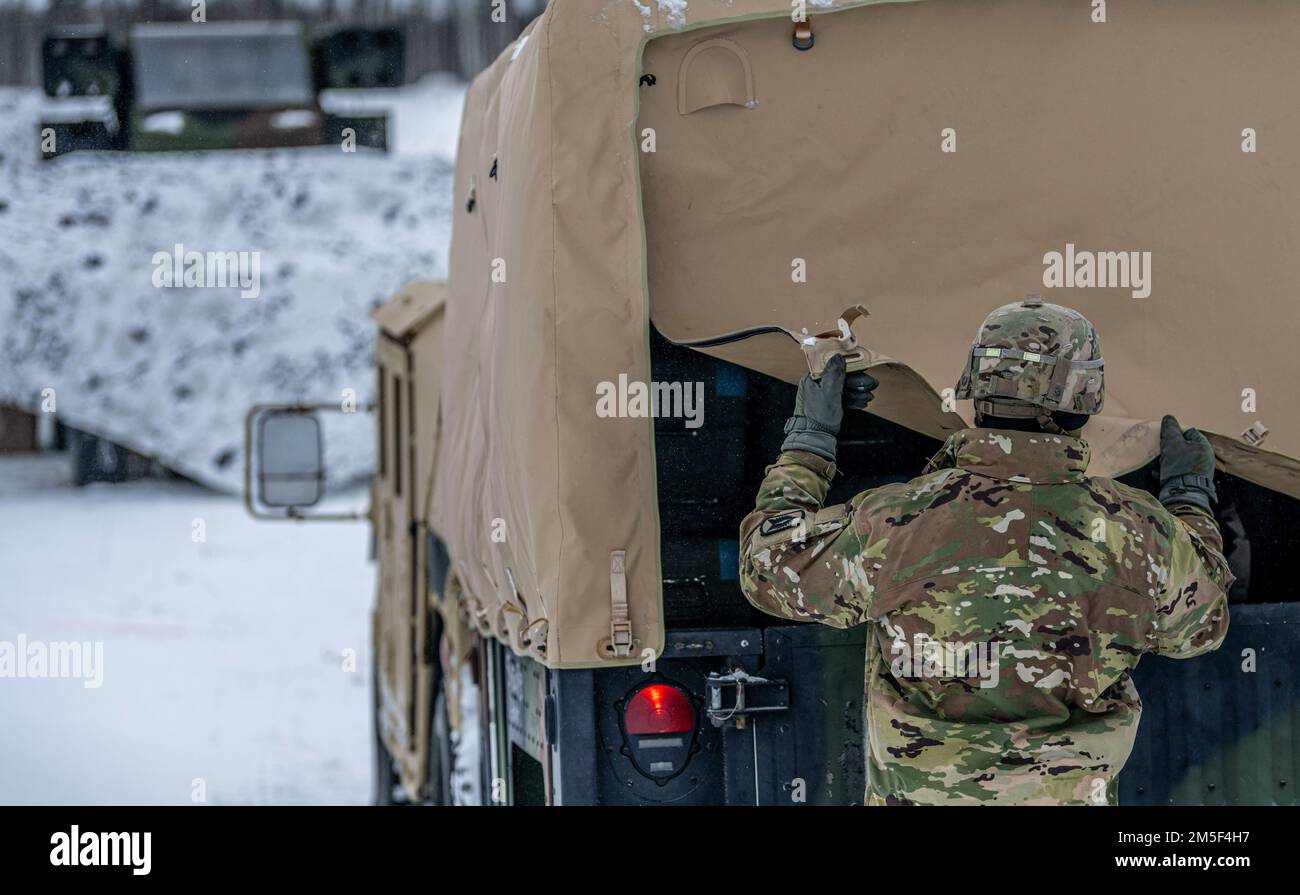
<point x="202" y="86"/>
<point x="558" y="617"/>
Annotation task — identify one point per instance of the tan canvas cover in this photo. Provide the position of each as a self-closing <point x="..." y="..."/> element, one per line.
<point x="1118" y="136"/>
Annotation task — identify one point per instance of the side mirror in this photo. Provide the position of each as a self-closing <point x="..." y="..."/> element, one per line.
<point x="290" y="460"/>
<point x="284" y="462"/>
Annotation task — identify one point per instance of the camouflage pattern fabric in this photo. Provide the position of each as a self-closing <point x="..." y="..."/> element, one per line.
<point x="1011" y="597"/>
<point x="1039" y="329"/>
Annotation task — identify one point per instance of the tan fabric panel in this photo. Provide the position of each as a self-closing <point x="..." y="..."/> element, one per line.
<point x="1123" y="136"/>
<point x="458" y="480"/>
<point x="526" y="453"/>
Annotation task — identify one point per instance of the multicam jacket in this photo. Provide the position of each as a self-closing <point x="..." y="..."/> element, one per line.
<point x="1011" y="596"/>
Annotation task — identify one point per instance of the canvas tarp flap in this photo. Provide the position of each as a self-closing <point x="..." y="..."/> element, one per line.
<point x="1117" y="136"/>
<point x="537" y="498"/>
<point x="1123" y="136"/>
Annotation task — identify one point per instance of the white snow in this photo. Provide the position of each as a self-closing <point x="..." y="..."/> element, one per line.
<point x="164" y="123"/>
<point x="223" y="662"/>
<point x="424" y="119"/>
<point x="674" y="11"/>
<point x="172" y="372"/>
<point x="466" y="748"/>
<point x="293" y="119"/>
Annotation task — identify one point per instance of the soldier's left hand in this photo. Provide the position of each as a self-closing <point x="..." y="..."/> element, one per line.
<point x="1186" y="465"/>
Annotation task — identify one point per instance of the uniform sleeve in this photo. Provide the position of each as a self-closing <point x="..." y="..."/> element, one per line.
<point x="1192" y="613"/>
<point x="798" y="559"/>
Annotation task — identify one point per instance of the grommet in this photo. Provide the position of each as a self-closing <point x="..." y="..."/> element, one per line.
<point x="803" y="36"/>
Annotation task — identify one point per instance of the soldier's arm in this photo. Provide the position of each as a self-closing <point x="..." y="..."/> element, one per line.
<point x="1192" y="610"/>
<point x="798" y="559"/>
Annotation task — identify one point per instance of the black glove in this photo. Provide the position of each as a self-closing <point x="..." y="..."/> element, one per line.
<point x="859" y="389"/>
<point x="819" y="408"/>
<point x="1186" y="466"/>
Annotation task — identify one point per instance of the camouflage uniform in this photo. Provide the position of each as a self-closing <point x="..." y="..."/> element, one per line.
<point x="1002" y="540"/>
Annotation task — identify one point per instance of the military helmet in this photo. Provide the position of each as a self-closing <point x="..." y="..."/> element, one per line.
<point x="1031" y="359"/>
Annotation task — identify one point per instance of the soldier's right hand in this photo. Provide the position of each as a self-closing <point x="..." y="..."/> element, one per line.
<point x="1186" y="466"/>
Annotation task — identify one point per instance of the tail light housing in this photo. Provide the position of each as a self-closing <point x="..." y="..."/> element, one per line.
<point x="659" y="729"/>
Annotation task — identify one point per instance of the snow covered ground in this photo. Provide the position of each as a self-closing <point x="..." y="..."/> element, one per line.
<point x="170" y="372"/>
<point x="237" y="667"/>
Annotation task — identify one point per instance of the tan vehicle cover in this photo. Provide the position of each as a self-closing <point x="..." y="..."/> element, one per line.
<point x="922" y="159"/>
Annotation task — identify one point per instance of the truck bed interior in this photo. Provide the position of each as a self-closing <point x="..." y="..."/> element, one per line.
<point x="708" y="477"/>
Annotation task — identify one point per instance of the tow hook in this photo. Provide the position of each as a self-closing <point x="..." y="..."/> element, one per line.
<point x="731" y="698"/>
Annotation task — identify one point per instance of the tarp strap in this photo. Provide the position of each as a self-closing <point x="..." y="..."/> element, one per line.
<point x="620" y="625"/>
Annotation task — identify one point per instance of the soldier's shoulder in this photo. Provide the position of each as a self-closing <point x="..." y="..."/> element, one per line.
<point x="905" y="493"/>
<point x="1134" y="496"/>
<point x="1142" y="505"/>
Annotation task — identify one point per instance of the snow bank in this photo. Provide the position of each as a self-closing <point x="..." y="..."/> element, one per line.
<point x="241" y="661"/>
<point x="171" y="372"/>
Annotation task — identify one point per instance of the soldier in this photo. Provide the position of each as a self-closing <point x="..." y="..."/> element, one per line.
<point x="1010" y="594"/>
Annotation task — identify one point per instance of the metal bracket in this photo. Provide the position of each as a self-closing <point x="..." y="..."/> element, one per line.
<point x="820" y="348"/>
<point x="733" y="697"/>
<point x="1255" y="434"/>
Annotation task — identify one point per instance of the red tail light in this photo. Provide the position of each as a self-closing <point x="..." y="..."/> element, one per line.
<point x="658" y="709"/>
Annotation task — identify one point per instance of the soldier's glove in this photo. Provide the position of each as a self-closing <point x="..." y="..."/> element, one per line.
<point x="859" y="389"/>
<point x="819" y="408"/>
<point x="1186" y="466"/>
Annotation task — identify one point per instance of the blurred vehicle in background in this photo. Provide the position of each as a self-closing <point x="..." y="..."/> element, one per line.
<point x="188" y="87"/>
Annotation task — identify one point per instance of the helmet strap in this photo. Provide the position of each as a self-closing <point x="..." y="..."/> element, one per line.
<point x="1020" y="411"/>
